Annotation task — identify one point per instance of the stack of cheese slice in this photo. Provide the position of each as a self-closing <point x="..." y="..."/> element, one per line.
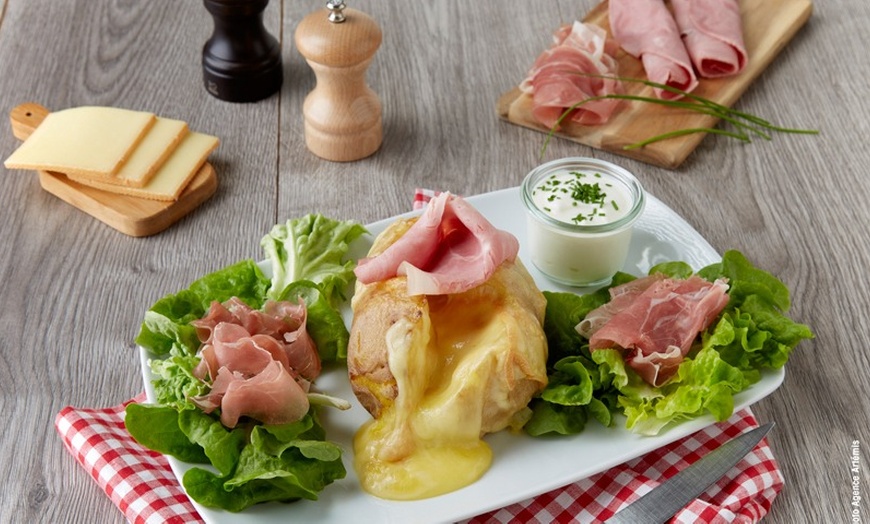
<point x="117" y="150"/>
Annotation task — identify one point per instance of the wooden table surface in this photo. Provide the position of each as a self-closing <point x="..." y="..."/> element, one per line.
<point x="74" y="290"/>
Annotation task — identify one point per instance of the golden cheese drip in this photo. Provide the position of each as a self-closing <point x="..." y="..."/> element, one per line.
<point x="428" y="442"/>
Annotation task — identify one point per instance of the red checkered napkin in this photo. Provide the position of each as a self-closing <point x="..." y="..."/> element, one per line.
<point x="143" y="487"/>
<point x="141" y="484"/>
<point x="138" y="480"/>
<point x="744" y="495"/>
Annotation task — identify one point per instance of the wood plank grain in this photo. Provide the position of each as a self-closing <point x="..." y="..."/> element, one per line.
<point x="76" y="289"/>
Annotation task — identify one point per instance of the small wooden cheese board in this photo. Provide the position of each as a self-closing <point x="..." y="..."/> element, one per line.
<point x="768" y="25"/>
<point x="137" y="217"/>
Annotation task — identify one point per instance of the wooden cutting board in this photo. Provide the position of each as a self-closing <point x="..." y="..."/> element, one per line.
<point x="768" y="25"/>
<point x="137" y="217"/>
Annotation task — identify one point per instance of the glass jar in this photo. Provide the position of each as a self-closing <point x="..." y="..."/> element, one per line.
<point x="580" y="212"/>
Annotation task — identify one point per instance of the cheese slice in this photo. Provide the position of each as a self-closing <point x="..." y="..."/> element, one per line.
<point x="173" y="175"/>
<point x="160" y="141"/>
<point x="85" y="141"/>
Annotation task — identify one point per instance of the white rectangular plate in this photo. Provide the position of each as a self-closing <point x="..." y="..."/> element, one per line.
<point x="523" y="466"/>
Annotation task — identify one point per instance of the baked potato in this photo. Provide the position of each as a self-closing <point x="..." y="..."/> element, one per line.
<point x="437" y="372"/>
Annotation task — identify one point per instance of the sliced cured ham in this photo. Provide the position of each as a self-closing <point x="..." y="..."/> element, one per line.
<point x="658" y="321"/>
<point x="578" y="67"/>
<point x="233" y="347"/>
<point x="713" y="33"/>
<point x="259" y="364"/>
<point x="271" y="396"/>
<point x="620" y="298"/>
<point x="283" y="321"/>
<point x="276" y="319"/>
<point x="451" y="248"/>
<point x="647" y="30"/>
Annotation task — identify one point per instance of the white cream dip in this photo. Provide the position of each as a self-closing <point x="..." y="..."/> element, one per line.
<point x="581" y="197"/>
<point x="580" y="213"/>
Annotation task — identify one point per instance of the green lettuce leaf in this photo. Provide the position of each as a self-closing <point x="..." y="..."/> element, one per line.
<point x="752" y="334"/>
<point x="705" y="383"/>
<point x="254" y="463"/>
<point x="174" y="381"/>
<point x="745" y="280"/>
<point x="554" y="418"/>
<point x="157" y="428"/>
<point x="577" y="390"/>
<point x="566" y="310"/>
<point x="325" y="324"/>
<point x="673" y="269"/>
<point x="166" y="328"/>
<point x="221" y="445"/>
<point x="280" y="463"/>
<point x="312" y="248"/>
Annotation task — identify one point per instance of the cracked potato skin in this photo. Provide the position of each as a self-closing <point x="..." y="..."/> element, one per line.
<point x="367" y="357"/>
<point x="375" y="310"/>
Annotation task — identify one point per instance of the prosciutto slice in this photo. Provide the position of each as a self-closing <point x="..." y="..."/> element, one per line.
<point x="283" y="322"/>
<point x="234" y="348"/>
<point x="271" y="396"/>
<point x="657" y="322"/>
<point x="620" y="298"/>
<point x="713" y="33"/>
<point x="260" y="363"/>
<point x="647" y="30"/>
<point x="571" y="71"/>
<point x="450" y="249"/>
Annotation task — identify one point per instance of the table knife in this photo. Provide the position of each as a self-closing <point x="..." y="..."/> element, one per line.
<point x="666" y="499"/>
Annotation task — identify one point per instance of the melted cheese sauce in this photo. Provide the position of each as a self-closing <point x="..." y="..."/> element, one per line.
<point x="430" y="470"/>
<point x="428" y="441"/>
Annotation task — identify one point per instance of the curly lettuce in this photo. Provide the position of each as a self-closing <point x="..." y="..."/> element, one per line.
<point x="312" y="248"/>
<point x="753" y="333"/>
<point x="254" y="462"/>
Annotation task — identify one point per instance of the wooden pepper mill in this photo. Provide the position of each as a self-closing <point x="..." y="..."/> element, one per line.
<point x="342" y="114"/>
<point x="241" y="62"/>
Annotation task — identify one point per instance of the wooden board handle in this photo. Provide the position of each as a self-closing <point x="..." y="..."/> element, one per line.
<point x="25" y="118"/>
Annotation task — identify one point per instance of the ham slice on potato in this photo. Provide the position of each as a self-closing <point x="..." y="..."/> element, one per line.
<point x="450" y="249"/>
<point x="438" y="370"/>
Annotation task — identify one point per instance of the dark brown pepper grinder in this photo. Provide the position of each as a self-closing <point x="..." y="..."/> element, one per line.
<point x="241" y="62"/>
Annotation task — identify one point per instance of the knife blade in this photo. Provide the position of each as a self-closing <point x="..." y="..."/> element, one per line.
<point x="669" y="497"/>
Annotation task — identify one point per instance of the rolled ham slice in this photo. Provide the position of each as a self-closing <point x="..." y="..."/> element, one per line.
<point x="259" y="363"/>
<point x="647" y="30"/>
<point x="713" y="33"/>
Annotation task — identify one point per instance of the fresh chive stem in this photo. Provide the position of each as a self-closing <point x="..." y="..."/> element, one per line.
<point x="744" y="122"/>
<point x="683" y="132"/>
